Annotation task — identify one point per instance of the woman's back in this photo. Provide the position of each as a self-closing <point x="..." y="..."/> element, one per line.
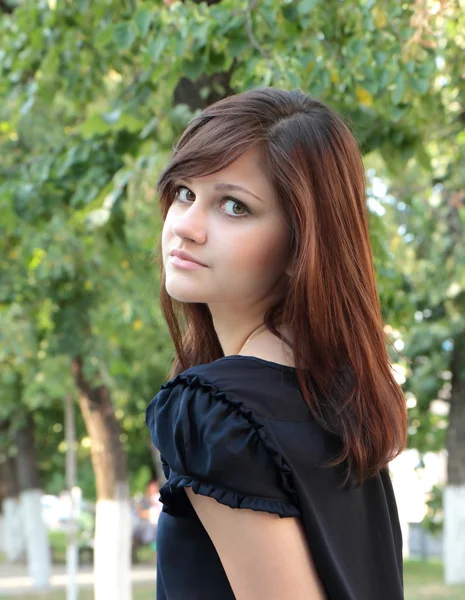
<point x="238" y="430"/>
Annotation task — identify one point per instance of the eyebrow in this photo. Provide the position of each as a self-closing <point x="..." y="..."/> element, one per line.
<point x="229" y="187"/>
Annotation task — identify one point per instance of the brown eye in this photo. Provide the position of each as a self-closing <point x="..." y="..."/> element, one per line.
<point x="235" y="204"/>
<point x="184" y="194"/>
<point x="180" y="195"/>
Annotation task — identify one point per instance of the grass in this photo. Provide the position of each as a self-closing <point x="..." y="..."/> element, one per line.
<point x="422" y="580"/>
<point x="425" y="581"/>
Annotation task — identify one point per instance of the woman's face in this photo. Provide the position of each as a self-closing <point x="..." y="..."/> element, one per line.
<point x="239" y="234"/>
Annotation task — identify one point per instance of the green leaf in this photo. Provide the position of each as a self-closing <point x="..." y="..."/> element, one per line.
<point x="193" y="68"/>
<point x="290" y="12"/>
<point x="201" y="34"/>
<point x="180" y="45"/>
<point x="104" y="37"/>
<point x="156" y="46"/>
<point x="372" y="86"/>
<point x="143" y="19"/>
<point x="94" y="125"/>
<point x="149" y="128"/>
<point x="423" y="157"/>
<point x="237" y="45"/>
<point x="419" y="85"/>
<point x="306" y="6"/>
<point x="410" y="66"/>
<point x="356" y="46"/>
<point x="399" y="90"/>
<point x="398" y="112"/>
<point x="130" y="123"/>
<point x="216" y="61"/>
<point x="124" y="34"/>
<point x="381" y="58"/>
<point x="384" y="79"/>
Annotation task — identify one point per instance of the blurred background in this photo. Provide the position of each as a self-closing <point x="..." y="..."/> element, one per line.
<point x="93" y="96"/>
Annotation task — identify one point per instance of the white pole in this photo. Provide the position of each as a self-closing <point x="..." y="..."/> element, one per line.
<point x="72" y="555"/>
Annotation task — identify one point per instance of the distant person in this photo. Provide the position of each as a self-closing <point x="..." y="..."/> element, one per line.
<point x="148" y="511"/>
<point x="282" y="411"/>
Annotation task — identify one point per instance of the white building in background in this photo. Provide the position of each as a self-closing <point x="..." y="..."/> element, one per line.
<point x="412" y="485"/>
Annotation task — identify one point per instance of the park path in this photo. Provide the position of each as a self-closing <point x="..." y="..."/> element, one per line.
<point x="14" y="579"/>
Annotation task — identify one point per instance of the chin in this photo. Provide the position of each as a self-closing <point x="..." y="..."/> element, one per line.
<point x="183" y="295"/>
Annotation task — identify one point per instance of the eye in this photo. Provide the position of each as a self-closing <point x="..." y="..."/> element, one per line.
<point x="178" y="193"/>
<point x="243" y="207"/>
<point x="184" y="194"/>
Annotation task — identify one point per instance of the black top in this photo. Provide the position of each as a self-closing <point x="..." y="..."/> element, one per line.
<point x="237" y="429"/>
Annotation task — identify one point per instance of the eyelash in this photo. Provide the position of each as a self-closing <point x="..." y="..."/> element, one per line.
<point x="227" y="198"/>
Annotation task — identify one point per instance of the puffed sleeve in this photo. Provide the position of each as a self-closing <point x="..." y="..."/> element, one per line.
<point x="214" y="444"/>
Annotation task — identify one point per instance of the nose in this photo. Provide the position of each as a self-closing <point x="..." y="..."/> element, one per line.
<point x="191" y="224"/>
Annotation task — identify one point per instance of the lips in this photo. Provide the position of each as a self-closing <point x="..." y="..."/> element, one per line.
<point x="185" y="256"/>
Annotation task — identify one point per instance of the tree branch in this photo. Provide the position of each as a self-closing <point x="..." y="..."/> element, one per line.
<point x="248" y="28"/>
<point x="6" y="7"/>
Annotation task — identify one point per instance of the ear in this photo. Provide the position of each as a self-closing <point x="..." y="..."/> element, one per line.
<point x="289" y="270"/>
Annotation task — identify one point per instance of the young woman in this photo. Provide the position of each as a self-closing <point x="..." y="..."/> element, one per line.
<point x="281" y="412"/>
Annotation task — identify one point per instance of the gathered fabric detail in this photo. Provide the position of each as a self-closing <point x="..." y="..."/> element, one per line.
<point x="230" y="498"/>
<point x="220" y="432"/>
<point x="239" y="436"/>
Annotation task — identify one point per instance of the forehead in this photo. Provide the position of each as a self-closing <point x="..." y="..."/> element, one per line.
<point x="248" y="171"/>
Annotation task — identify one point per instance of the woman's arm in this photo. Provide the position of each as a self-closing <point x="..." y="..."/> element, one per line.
<point x="264" y="556"/>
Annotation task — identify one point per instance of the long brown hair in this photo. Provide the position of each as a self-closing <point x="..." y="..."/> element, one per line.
<point x="331" y="301"/>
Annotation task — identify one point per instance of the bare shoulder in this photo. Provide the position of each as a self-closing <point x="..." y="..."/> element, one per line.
<point x="265" y="557"/>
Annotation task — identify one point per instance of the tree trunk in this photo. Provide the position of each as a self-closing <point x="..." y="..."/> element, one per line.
<point x="72" y="551"/>
<point x="37" y="544"/>
<point x="112" y="549"/>
<point x="13" y="543"/>
<point x="2" y="520"/>
<point x="218" y="84"/>
<point x="454" y="493"/>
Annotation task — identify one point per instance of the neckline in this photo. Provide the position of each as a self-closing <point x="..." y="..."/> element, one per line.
<point x="269" y="363"/>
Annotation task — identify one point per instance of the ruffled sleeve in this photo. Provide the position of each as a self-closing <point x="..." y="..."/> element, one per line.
<point x="214" y="444"/>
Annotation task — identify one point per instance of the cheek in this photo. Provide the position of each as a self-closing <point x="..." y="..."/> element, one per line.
<point x="262" y="255"/>
<point x="166" y="235"/>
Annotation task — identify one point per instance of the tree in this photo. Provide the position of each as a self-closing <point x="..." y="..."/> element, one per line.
<point x="13" y="537"/>
<point x="37" y="545"/>
<point x="429" y="194"/>
<point x="95" y="96"/>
